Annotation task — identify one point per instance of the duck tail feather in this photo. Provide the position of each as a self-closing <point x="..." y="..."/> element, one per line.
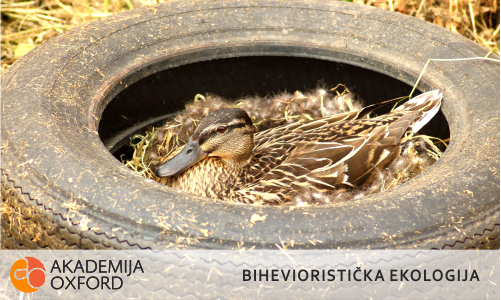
<point x="427" y="104"/>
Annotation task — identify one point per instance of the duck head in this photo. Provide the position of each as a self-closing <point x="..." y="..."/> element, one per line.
<point x="227" y="134"/>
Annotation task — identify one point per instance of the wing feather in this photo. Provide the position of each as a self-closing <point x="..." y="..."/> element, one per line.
<point x="343" y="149"/>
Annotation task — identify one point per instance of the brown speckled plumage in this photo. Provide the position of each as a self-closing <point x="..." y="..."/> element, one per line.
<point x="272" y="165"/>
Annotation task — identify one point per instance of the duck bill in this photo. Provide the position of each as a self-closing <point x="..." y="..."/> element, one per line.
<point x="191" y="154"/>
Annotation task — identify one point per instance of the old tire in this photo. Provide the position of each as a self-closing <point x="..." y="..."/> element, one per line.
<point x="61" y="188"/>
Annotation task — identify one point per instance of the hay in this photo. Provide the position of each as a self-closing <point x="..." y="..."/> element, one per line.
<point x="26" y="24"/>
<point x="160" y="144"/>
<point x="476" y="20"/>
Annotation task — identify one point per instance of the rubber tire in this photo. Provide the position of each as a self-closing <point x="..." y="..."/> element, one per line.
<point x="58" y="176"/>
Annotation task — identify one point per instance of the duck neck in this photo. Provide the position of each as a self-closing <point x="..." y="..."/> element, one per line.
<point x="219" y="174"/>
<point x="236" y="163"/>
<point x="211" y="177"/>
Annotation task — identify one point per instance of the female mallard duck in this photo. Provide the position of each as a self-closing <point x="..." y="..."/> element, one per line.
<point x="225" y="159"/>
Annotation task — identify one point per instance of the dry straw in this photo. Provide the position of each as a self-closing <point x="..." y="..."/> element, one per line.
<point x="477" y="20"/>
<point x="26" y="24"/>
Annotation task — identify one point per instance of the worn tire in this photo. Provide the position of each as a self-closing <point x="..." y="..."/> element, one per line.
<point x="61" y="188"/>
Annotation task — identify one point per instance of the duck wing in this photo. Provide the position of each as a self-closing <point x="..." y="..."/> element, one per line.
<point x="334" y="151"/>
<point x="276" y="134"/>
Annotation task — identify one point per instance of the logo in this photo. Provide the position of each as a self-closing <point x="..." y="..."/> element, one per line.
<point x="27" y="274"/>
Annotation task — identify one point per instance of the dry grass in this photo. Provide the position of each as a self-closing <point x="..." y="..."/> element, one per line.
<point x="476" y="20"/>
<point x="26" y="24"/>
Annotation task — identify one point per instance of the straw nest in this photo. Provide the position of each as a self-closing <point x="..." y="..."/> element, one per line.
<point x="159" y="144"/>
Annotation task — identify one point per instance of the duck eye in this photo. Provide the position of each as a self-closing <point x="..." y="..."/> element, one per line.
<point x="221" y="129"/>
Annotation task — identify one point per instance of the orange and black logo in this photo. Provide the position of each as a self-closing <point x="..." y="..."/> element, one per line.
<point x="27" y="274"/>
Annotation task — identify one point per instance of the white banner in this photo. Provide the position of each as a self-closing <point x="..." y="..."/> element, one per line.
<point x="212" y="274"/>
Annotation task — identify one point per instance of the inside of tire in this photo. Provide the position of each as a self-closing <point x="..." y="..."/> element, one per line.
<point x="163" y="93"/>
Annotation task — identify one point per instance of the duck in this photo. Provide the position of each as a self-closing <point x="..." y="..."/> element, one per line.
<point x="226" y="159"/>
